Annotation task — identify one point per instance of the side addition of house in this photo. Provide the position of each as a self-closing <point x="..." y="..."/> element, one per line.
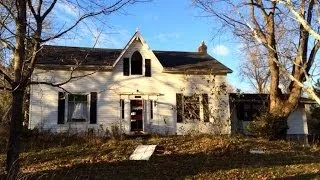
<point x="135" y="90"/>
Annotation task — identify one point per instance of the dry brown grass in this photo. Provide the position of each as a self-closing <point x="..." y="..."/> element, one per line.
<point x="201" y="157"/>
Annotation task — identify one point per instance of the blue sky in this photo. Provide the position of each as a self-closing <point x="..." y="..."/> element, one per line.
<point x="165" y="25"/>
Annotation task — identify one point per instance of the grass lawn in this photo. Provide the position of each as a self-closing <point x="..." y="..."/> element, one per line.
<point x="185" y="157"/>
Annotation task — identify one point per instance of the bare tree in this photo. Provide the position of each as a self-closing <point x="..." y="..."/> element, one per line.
<point x="254" y="68"/>
<point x="262" y="20"/>
<point x="23" y="26"/>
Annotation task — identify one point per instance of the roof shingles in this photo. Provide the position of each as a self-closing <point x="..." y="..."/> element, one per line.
<point x="170" y="60"/>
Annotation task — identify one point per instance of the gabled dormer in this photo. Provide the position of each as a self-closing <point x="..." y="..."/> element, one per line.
<point x="137" y="65"/>
<point x="136" y="62"/>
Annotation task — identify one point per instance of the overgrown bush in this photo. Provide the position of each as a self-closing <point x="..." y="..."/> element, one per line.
<point x="268" y="126"/>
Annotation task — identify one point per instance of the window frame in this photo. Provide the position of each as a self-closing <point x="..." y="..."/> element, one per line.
<point x="182" y="108"/>
<point x="87" y="102"/>
<point x="191" y="101"/>
<point x="252" y="111"/>
<point x="142" y="64"/>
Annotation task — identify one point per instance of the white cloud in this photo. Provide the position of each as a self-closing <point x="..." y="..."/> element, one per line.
<point x="220" y="50"/>
<point x="67" y="9"/>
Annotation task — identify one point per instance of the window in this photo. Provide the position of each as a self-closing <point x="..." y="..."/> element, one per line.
<point x="136" y="63"/>
<point x="248" y="111"/>
<point x="77" y="108"/>
<point x="188" y="107"/>
<point x="191" y="108"/>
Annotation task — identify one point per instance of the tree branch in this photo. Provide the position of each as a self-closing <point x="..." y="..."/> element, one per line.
<point x="300" y="19"/>
<point x="116" y="6"/>
<point x="48" y="10"/>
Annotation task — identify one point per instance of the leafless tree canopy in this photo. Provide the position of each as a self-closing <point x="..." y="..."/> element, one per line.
<point x="24" y="26"/>
<point x="269" y="23"/>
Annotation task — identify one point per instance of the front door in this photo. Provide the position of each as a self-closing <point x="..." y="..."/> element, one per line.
<point x="136" y="115"/>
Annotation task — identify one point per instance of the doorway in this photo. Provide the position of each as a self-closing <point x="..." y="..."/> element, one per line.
<point x="136" y="114"/>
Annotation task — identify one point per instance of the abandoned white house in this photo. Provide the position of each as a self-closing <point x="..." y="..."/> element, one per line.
<point x="135" y="89"/>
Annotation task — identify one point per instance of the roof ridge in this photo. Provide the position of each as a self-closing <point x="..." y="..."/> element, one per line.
<point x="82" y="47"/>
<point x="175" y="51"/>
<point x="79" y="47"/>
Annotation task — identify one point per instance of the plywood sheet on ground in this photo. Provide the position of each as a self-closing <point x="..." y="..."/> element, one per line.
<point x="143" y="152"/>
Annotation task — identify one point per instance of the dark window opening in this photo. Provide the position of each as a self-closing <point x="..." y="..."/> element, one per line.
<point x="248" y="111"/>
<point x="136" y="63"/>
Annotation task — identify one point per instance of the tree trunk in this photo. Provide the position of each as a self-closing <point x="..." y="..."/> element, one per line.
<point x="281" y="107"/>
<point x="13" y="147"/>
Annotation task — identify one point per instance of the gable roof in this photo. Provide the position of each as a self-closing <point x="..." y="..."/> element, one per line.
<point x="172" y="61"/>
<point x="136" y="36"/>
<point x="63" y="55"/>
<point x="190" y="61"/>
<point x="51" y="57"/>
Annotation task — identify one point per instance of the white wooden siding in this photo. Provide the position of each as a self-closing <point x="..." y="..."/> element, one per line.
<point x="297" y="121"/>
<point x="109" y="85"/>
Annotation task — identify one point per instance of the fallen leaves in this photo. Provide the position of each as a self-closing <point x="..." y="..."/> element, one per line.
<point x="183" y="157"/>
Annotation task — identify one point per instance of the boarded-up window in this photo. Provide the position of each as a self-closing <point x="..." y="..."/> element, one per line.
<point x="61" y="107"/>
<point x="126" y="68"/>
<point x="179" y="106"/>
<point x="148" y="68"/>
<point x="191" y="107"/>
<point x="205" y="105"/>
<point x="136" y="63"/>
<point x="188" y="107"/>
<point x="93" y="108"/>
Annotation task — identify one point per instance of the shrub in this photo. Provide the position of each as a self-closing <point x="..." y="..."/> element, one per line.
<point x="268" y="126"/>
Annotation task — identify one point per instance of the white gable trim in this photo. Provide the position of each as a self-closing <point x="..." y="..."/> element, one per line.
<point x="136" y="36"/>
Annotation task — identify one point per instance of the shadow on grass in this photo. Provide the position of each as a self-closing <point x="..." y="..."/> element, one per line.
<point x="173" y="166"/>
<point x="307" y="176"/>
